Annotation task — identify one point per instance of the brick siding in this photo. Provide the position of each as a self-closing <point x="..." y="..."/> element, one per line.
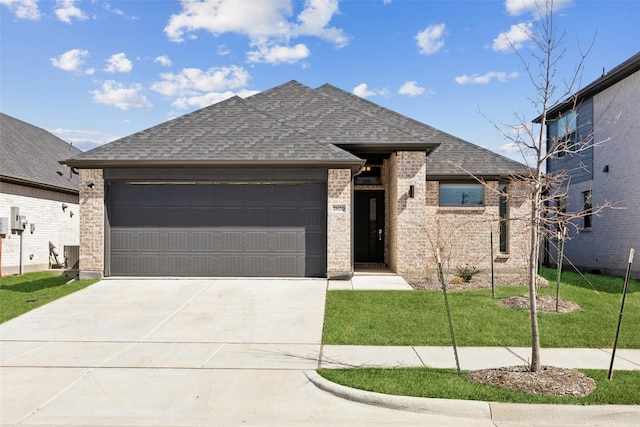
<point x="91" y="223"/>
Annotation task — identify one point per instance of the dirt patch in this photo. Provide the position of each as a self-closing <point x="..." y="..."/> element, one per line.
<point x="543" y="303"/>
<point x="549" y="380"/>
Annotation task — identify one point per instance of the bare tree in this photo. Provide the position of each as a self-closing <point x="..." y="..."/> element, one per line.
<point x="547" y="190"/>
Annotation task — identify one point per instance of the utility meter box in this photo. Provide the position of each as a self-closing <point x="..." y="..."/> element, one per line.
<point x="4" y="225"/>
<point x="18" y="222"/>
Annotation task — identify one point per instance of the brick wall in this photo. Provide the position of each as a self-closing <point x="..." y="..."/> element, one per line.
<point x="407" y="222"/>
<point x="43" y="208"/>
<point x="91" y="223"/>
<point x="463" y="234"/>
<point x="616" y="117"/>
<point x="339" y="235"/>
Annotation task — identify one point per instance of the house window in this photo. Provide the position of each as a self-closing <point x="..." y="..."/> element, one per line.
<point x="587" y="207"/>
<point x="566" y="132"/>
<point x="503" y="211"/>
<point x="461" y="195"/>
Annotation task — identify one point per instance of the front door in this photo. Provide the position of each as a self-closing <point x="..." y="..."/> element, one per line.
<point x="369" y="227"/>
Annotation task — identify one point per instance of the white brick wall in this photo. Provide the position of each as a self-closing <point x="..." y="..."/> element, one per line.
<point x="44" y="209"/>
<point x="616" y="118"/>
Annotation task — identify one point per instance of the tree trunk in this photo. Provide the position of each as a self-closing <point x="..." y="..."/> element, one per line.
<point x="533" y="276"/>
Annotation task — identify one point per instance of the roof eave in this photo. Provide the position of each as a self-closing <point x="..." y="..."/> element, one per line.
<point x="383" y="148"/>
<point x="621" y="72"/>
<point x="41" y="185"/>
<point x="240" y="164"/>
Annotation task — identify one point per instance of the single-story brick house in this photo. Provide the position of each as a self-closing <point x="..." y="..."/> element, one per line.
<point x="36" y="186"/>
<point x="293" y="181"/>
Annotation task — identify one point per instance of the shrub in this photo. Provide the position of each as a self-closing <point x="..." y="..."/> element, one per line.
<point x="466" y="273"/>
<point x="457" y="280"/>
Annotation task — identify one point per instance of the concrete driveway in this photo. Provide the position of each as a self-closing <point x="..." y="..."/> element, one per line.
<point x="178" y="353"/>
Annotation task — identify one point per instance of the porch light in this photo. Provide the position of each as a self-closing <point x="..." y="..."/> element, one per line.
<point x="412" y="191"/>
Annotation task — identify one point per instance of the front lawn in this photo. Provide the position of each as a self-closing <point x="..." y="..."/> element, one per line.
<point x="19" y="294"/>
<point x="445" y="384"/>
<point x="419" y="318"/>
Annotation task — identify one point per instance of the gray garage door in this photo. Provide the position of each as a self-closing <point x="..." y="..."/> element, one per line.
<point x="217" y="230"/>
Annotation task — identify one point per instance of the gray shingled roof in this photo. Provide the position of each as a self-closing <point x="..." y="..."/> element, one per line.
<point x="229" y="132"/>
<point x="329" y="121"/>
<point x="293" y="124"/>
<point x="30" y="155"/>
<point x="452" y="158"/>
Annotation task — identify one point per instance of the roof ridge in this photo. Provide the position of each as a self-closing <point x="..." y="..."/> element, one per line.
<point x="368" y="114"/>
<point x="297" y="129"/>
<point x="417" y="122"/>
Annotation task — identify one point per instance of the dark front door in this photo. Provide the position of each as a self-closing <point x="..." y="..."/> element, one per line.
<point x="369" y="226"/>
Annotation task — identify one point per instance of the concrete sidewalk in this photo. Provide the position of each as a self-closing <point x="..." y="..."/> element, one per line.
<point x="473" y="358"/>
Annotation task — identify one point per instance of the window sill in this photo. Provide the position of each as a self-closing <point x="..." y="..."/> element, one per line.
<point x="586" y="230"/>
<point x="461" y="209"/>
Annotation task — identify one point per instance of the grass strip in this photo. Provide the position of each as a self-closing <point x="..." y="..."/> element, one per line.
<point x="624" y="389"/>
<point x="23" y="293"/>
<point x="418" y="318"/>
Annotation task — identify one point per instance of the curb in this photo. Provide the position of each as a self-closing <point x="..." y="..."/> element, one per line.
<point x="494" y="412"/>
<point x="430" y="406"/>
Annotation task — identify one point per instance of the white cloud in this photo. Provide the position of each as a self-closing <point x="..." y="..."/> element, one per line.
<point x="209" y="98"/>
<point x="163" y="60"/>
<point x="193" y="86"/>
<point x="72" y="60"/>
<point x="118" y="63"/>
<point x="117" y="95"/>
<point x="514" y="38"/>
<point x="223" y="50"/>
<point x="518" y="7"/>
<point x="279" y="54"/>
<point x="485" y="78"/>
<point x="269" y="25"/>
<point x="411" y="88"/>
<point x="362" y="90"/>
<point x="430" y="39"/>
<point x="66" y="10"/>
<point x="82" y="139"/>
<point x="23" y="9"/>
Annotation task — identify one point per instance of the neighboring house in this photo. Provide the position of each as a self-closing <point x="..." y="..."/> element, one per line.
<point x="293" y="181"/>
<point x="44" y="192"/>
<point x="606" y="116"/>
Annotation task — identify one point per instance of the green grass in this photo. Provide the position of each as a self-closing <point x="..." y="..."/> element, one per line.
<point x="20" y="294"/>
<point x="624" y="389"/>
<point x="419" y="318"/>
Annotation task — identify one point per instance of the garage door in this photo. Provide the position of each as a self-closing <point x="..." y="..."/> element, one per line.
<point x="251" y="230"/>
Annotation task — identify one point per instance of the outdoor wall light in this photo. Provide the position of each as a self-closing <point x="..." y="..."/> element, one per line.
<point x="33" y="227"/>
<point x="91" y="185"/>
<point x="64" y="207"/>
<point x="606" y="169"/>
<point x="412" y="191"/>
<point x="71" y="214"/>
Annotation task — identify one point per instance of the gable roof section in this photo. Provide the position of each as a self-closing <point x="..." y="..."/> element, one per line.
<point x="454" y="157"/>
<point x="332" y="122"/>
<point x="229" y="133"/>
<point x="29" y="155"/>
<point x="621" y="72"/>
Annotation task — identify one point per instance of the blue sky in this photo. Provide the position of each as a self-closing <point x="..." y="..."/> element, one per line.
<point x="94" y="71"/>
